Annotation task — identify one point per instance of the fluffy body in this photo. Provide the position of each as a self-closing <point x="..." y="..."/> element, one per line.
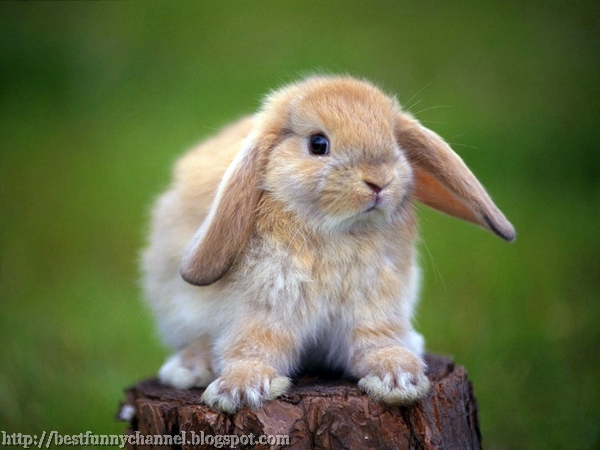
<point x="295" y="260"/>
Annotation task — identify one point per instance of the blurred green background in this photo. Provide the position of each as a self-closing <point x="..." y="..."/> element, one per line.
<point x="98" y="99"/>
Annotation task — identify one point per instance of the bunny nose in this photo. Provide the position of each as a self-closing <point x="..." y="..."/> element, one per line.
<point x="374" y="187"/>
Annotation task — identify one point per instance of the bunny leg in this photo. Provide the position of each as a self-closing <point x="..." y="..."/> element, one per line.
<point x="190" y="367"/>
<point x="388" y="370"/>
<point x="253" y="367"/>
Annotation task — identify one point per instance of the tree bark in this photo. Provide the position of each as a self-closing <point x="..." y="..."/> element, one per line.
<point x="315" y="414"/>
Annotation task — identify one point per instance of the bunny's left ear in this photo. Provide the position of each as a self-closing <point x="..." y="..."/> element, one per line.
<point x="223" y="235"/>
<point x="443" y="181"/>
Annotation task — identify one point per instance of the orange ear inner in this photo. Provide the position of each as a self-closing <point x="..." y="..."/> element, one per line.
<point x="432" y="193"/>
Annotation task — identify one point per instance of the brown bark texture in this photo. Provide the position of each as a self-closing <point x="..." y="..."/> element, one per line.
<point x="316" y="413"/>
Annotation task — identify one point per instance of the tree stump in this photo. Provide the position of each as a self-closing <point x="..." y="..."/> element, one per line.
<point x="315" y="414"/>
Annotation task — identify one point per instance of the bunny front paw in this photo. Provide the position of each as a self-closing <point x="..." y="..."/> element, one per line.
<point x="244" y="383"/>
<point x="395" y="389"/>
<point x="395" y="376"/>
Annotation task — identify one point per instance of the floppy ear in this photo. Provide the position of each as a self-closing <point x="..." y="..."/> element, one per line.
<point x="222" y="236"/>
<point x="443" y="181"/>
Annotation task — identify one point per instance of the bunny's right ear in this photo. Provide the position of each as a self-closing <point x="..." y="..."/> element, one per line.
<point x="222" y="236"/>
<point x="444" y="182"/>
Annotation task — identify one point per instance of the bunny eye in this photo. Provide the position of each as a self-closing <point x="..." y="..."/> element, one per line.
<point x="318" y="145"/>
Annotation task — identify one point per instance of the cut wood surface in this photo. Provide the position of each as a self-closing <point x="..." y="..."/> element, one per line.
<point x="316" y="413"/>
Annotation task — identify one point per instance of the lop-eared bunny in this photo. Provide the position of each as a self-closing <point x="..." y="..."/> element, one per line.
<point x="288" y="241"/>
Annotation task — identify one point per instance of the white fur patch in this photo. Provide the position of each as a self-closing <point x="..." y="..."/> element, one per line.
<point x="415" y="343"/>
<point x="174" y="373"/>
<point x="127" y="413"/>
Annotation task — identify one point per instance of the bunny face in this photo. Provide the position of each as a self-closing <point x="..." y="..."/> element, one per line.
<point x="338" y="164"/>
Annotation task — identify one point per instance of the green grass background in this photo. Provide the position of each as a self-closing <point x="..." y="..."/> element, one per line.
<point x="98" y="99"/>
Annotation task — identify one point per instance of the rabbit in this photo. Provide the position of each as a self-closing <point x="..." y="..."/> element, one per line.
<point x="287" y="242"/>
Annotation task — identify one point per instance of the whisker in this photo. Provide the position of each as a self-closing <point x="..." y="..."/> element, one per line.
<point x="418" y="92"/>
<point x="413" y="105"/>
<point x="298" y="232"/>
<point x="437" y="122"/>
<point x="430" y="260"/>
<point x="436" y="270"/>
<point x="430" y="108"/>
<point x="206" y="127"/>
<point x="456" y="144"/>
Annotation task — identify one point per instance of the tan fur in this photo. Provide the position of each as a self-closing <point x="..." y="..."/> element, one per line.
<point x="364" y="335"/>
<point x="254" y="341"/>
<point x="294" y="259"/>
<point x="198" y="350"/>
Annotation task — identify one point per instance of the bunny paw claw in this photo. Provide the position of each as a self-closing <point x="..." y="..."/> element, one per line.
<point x="398" y="389"/>
<point x="224" y="395"/>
